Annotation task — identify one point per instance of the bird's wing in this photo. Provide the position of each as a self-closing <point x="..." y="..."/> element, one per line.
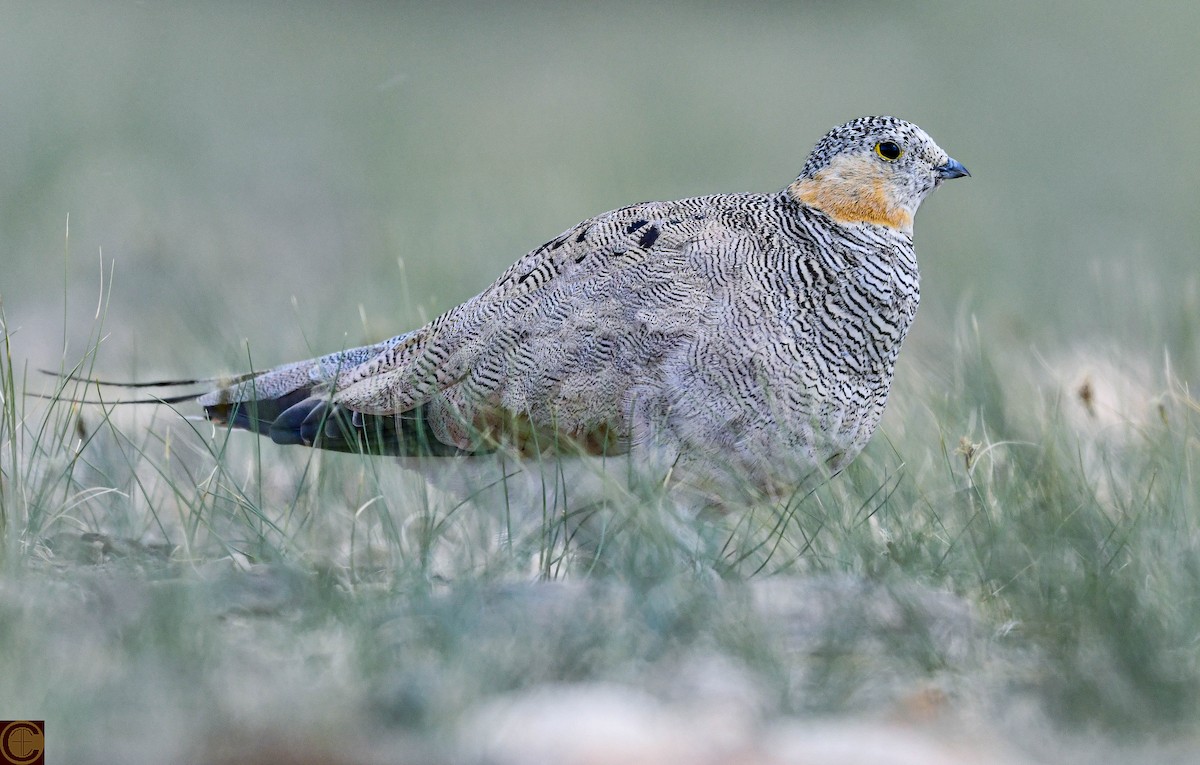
<point x="552" y="348"/>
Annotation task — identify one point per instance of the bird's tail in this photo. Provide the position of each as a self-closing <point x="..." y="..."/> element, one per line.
<point x="291" y="404"/>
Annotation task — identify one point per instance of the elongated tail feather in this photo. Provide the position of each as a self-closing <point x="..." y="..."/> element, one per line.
<point x="222" y="381"/>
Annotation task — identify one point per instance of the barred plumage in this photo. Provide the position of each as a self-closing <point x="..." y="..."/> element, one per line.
<point x="749" y="334"/>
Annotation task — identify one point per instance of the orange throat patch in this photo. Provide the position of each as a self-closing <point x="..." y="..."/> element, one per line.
<point x="853" y="190"/>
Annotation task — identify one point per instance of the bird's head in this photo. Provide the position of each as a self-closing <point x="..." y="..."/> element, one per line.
<point x="874" y="170"/>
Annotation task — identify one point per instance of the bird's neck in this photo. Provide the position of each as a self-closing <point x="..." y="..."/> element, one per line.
<point x="852" y="191"/>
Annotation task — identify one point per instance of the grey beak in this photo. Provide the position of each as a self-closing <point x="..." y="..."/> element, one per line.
<point x="952" y="169"/>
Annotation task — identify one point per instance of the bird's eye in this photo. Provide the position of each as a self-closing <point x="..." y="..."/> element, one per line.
<point x="889" y="150"/>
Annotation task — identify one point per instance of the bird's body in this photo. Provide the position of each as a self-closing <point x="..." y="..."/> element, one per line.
<point x="752" y="335"/>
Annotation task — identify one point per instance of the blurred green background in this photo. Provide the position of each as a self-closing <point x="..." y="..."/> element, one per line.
<point x="253" y="173"/>
<point x="256" y="171"/>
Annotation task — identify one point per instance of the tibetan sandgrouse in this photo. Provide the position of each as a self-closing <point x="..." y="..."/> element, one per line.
<point x="751" y="335"/>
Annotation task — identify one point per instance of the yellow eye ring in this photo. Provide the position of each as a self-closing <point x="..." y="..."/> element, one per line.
<point x="888" y="150"/>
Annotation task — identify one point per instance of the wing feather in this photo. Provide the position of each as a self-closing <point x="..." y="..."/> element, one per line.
<point x="548" y="353"/>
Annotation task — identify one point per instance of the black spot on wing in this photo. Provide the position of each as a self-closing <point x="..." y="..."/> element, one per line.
<point x="649" y="237"/>
<point x="636" y="225"/>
